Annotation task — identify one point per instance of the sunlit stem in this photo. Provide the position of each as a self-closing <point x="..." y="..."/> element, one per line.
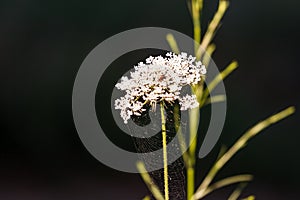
<point x="194" y="119"/>
<point x="149" y="182"/>
<point x="172" y="42"/>
<point x="165" y="157"/>
<point x="249" y="198"/>
<point x="190" y="181"/>
<point x="237" y="192"/>
<point x="181" y="139"/>
<point x="146" y="198"/>
<point x="220" y="77"/>
<point x="214" y="99"/>
<point x="224" y="182"/>
<point x="196" y="9"/>
<point x="212" y="27"/>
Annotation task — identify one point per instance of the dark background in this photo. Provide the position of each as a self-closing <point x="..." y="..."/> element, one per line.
<point x="42" y="45"/>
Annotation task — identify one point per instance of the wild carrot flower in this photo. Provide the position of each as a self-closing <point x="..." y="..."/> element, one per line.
<point x="159" y="79"/>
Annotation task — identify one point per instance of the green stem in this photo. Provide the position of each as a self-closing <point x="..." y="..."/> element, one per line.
<point x="211" y="31"/>
<point x="196" y="9"/>
<point x="239" y="144"/>
<point x="165" y="158"/>
<point x="149" y="182"/>
<point x="190" y="182"/>
<point x="194" y="118"/>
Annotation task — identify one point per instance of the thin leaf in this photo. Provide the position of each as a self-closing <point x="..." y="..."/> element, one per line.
<point x="198" y="88"/>
<point x="220" y="77"/>
<point x="225" y="182"/>
<point x="211" y="30"/>
<point x="182" y="142"/>
<point x="240" y="143"/>
<point x="214" y="99"/>
<point x="249" y="198"/>
<point x="207" y="56"/>
<point x="196" y="10"/>
<point x="146" y="198"/>
<point x="148" y="181"/>
<point x="172" y="42"/>
<point x="237" y="192"/>
<point x="189" y="6"/>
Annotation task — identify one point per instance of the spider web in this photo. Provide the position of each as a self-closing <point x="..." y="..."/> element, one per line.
<point x="150" y="144"/>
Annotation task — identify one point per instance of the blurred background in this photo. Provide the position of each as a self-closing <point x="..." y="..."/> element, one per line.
<point x="42" y="45"/>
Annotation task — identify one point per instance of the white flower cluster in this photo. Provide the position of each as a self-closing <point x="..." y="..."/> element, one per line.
<point x="159" y="79"/>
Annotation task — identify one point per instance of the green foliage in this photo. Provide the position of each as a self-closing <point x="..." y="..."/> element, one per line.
<point x="202" y="93"/>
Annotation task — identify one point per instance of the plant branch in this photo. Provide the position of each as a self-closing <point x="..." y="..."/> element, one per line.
<point x="240" y="143"/>
<point x="148" y="181"/>
<point x="237" y="192"/>
<point x="214" y="99"/>
<point x="224" y="182"/>
<point x="231" y="67"/>
<point x="165" y="157"/>
<point x="196" y="13"/>
<point x="211" y="30"/>
<point x="172" y="43"/>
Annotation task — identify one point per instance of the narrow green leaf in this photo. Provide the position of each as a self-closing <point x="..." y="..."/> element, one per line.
<point x="237" y="192"/>
<point x="214" y="99"/>
<point x="224" y="182"/>
<point x="212" y="27"/>
<point x="146" y="198"/>
<point x="172" y="43"/>
<point x="220" y="77"/>
<point x="249" y="198"/>
<point x="148" y="181"/>
<point x="239" y="144"/>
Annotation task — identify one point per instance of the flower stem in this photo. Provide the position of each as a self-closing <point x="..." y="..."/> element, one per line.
<point x="165" y="158"/>
<point x="149" y="182"/>
<point x="196" y="9"/>
<point x="190" y="182"/>
<point x="194" y="118"/>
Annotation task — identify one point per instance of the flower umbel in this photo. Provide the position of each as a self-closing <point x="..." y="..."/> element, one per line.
<point x="159" y="79"/>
